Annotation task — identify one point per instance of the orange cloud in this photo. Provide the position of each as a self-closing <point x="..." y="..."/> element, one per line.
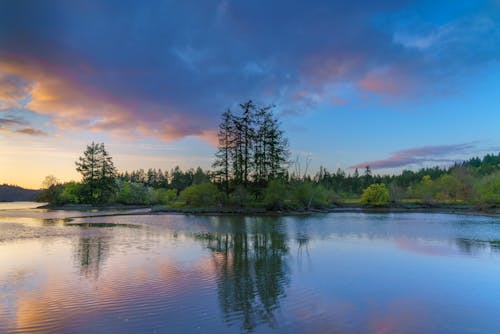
<point x="209" y="136"/>
<point x="71" y="104"/>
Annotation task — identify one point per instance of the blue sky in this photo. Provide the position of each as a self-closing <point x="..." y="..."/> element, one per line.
<point x="392" y="84"/>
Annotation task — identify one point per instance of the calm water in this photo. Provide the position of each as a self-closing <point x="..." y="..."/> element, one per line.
<point x="76" y="272"/>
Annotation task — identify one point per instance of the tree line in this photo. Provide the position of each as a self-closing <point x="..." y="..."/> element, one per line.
<point x="252" y="169"/>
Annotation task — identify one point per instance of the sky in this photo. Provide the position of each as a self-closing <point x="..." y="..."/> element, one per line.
<point x="391" y="84"/>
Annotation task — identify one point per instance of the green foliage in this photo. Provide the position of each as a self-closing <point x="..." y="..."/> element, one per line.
<point x="204" y="194"/>
<point x="489" y="190"/>
<point x="308" y="195"/>
<point x="51" y="195"/>
<point x="240" y="196"/>
<point x="376" y="194"/>
<point x="72" y="193"/>
<point x="180" y="180"/>
<point x="252" y="148"/>
<point x="132" y="193"/>
<point x="51" y="190"/>
<point x="162" y="196"/>
<point x="98" y="173"/>
<point x="425" y="190"/>
<point x="275" y="195"/>
<point x="397" y="193"/>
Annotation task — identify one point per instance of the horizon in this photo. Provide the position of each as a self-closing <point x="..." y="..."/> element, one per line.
<point x="393" y="84"/>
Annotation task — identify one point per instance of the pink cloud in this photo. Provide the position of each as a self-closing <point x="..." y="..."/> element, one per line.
<point x="386" y="81"/>
<point x="72" y="105"/>
<point x="417" y="155"/>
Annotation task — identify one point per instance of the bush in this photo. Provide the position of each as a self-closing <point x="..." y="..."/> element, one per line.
<point x="51" y="195"/>
<point x="163" y="196"/>
<point x="239" y="197"/>
<point x="204" y="194"/>
<point x="425" y="190"/>
<point x="72" y="193"/>
<point x="274" y="195"/>
<point x="488" y="190"/>
<point x="376" y="194"/>
<point x="132" y="193"/>
<point x="308" y="195"/>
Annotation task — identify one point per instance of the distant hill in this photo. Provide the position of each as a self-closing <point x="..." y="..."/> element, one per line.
<point x="14" y="193"/>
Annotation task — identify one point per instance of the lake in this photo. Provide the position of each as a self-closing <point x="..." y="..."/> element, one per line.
<point x="98" y="272"/>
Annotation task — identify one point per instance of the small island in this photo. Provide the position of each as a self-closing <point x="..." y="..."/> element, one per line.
<point x="253" y="173"/>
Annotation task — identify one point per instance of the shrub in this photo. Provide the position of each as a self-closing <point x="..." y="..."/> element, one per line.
<point x="162" y="196"/>
<point x="132" y="193"/>
<point x="308" y="195"/>
<point x="51" y="194"/>
<point x="204" y="194"/>
<point x="425" y="190"/>
<point x="274" y="195"/>
<point x="488" y="190"/>
<point x="376" y="194"/>
<point x="239" y="197"/>
<point x="72" y="193"/>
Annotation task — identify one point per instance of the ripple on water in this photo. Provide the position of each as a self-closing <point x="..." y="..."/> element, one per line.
<point x="343" y="272"/>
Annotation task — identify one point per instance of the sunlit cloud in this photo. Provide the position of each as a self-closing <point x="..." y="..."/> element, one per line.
<point x="17" y="125"/>
<point x="165" y="71"/>
<point x="171" y="86"/>
<point x="419" y="155"/>
<point x="71" y="105"/>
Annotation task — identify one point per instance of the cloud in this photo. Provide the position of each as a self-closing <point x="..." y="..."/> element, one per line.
<point x="168" y="69"/>
<point x="387" y="81"/>
<point x="24" y="131"/>
<point x="11" y="121"/>
<point x="31" y="132"/>
<point x="13" y="91"/>
<point x="17" y="125"/>
<point x="419" y="155"/>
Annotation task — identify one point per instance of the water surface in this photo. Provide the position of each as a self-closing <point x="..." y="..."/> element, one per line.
<point x="84" y="272"/>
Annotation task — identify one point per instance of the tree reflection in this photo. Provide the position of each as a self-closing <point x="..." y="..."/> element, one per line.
<point x="252" y="272"/>
<point x="90" y="253"/>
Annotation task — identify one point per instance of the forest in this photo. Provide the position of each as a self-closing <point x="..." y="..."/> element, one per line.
<point x="252" y="168"/>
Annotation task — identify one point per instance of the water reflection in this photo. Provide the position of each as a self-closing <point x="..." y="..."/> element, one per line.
<point x="90" y="254"/>
<point x="252" y="273"/>
<point x="230" y="274"/>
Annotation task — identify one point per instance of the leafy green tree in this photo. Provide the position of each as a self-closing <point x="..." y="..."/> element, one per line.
<point x="425" y="190"/>
<point x="308" y="195"/>
<point x="132" y="193"/>
<point x="488" y="190"/>
<point x="376" y="194"/>
<point x="51" y="190"/>
<point x="98" y="173"/>
<point x="204" y="194"/>
<point x="72" y="193"/>
<point x="164" y="196"/>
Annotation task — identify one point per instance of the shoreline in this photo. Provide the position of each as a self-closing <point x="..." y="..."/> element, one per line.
<point x="156" y="210"/>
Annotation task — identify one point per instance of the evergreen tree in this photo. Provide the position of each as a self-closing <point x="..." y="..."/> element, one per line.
<point x="98" y="173"/>
<point x="222" y="163"/>
<point x="248" y="134"/>
<point x="252" y="148"/>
